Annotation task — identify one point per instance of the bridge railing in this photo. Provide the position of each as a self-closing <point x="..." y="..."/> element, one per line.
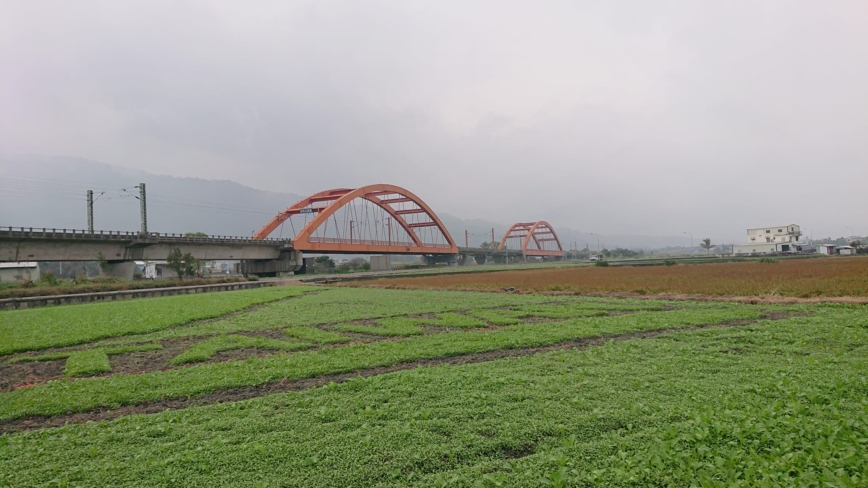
<point x="334" y="240"/>
<point x="54" y="233"/>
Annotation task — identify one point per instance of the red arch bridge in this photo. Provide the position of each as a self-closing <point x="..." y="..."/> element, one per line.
<point x="374" y="219"/>
<point x="388" y="219"/>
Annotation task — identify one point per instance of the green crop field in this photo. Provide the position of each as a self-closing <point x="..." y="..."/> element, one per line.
<point x="312" y="386"/>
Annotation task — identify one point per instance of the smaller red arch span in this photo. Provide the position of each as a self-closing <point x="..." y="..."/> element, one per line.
<point x="537" y="239"/>
<point x="407" y="225"/>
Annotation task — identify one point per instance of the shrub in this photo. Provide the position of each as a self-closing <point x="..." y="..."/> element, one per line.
<point x="603" y="264"/>
<point x="91" y="285"/>
<point x="768" y="260"/>
<point x="670" y="262"/>
<point x="48" y="279"/>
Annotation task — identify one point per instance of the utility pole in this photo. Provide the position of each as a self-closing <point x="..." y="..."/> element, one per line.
<point x="351" y="231"/>
<point x="143" y="205"/>
<point x="90" y="211"/>
<point x="466" y="239"/>
<point x="389" y="225"/>
<point x="492" y="237"/>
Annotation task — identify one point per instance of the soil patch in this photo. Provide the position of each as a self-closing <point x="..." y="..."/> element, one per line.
<point x="15" y="374"/>
<point x="244" y="393"/>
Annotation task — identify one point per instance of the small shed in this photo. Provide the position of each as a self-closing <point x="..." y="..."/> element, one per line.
<point x="847" y="251"/>
<point x="19" y="272"/>
<point x="825" y="249"/>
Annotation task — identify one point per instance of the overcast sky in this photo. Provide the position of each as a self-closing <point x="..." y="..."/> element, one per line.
<point x="627" y="117"/>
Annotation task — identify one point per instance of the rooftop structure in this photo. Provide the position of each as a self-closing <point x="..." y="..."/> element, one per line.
<point x="771" y="240"/>
<point x="780" y="233"/>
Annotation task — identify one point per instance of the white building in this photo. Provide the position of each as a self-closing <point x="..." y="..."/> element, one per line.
<point x="771" y="240"/>
<point x="847" y="251"/>
<point x="825" y="249"/>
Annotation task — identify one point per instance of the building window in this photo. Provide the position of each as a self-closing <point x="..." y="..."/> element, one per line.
<point x="780" y="230"/>
<point x="768" y="231"/>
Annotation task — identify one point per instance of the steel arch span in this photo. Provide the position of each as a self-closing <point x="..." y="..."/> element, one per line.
<point x="535" y="239"/>
<point x="372" y="219"/>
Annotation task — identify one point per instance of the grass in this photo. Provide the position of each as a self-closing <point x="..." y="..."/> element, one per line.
<point x="207" y="349"/>
<point x="57" y="397"/>
<point x="66" y="354"/>
<point x="776" y="403"/>
<point x="87" y="362"/>
<point x="43" y="328"/>
<point x="318" y="336"/>
<point x="342" y="305"/>
<point x="389" y="327"/>
<point x="497" y="317"/>
<point x="805" y="278"/>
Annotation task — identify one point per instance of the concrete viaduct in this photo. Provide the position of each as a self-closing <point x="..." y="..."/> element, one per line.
<point x="375" y="219"/>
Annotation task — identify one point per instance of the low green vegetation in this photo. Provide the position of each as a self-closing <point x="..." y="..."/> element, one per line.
<point x="87" y="362"/>
<point x="772" y="403"/>
<point x="53" y="356"/>
<point x="312" y="334"/>
<point x="496" y="317"/>
<point x="451" y="319"/>
<point x="344" y="305"/>
<point x="389" y="327"/>
<point x="57" y="397"/>
<point x="111" y="351"/>
<point x="42" y="328"/>
<point x="496" y="389"/>
<point x="207" y="349"/>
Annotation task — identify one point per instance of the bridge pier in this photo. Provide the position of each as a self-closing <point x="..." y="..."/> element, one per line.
<point x="450" y="259"/>
<point x="480" y="259"/>
<point x="288" y="262"/>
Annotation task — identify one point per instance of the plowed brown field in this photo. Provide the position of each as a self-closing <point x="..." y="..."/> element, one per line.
<point x="804" y="278"/>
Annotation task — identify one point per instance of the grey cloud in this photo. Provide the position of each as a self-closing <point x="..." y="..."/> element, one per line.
<point x="632" y="118"/>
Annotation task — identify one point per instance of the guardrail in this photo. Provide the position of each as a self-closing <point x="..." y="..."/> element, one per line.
<point x="335" y="240"/>
<point x="66" y="234"/>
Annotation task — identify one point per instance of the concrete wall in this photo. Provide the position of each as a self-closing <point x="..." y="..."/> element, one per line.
<point x="60" y="250"/>
<point x="19" y="275"/>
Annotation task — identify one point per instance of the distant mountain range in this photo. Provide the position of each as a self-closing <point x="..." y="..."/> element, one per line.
<point x="49" y="191"/>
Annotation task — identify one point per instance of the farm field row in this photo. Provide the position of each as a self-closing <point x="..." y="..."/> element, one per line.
<point x="803" y="278"/>
<point x="332" y="331"/>
<point x="46" y="327"/>
<point x="775" y="401"/>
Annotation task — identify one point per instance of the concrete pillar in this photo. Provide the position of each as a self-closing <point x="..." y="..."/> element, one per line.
<point x="381" y="263"/>
<point x="288" y="263"/>
<point x="480" y="259"/>
<point x="121" y="269"/>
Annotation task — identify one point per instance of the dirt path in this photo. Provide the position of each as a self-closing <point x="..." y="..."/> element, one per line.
<point x="244" y="393"/>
